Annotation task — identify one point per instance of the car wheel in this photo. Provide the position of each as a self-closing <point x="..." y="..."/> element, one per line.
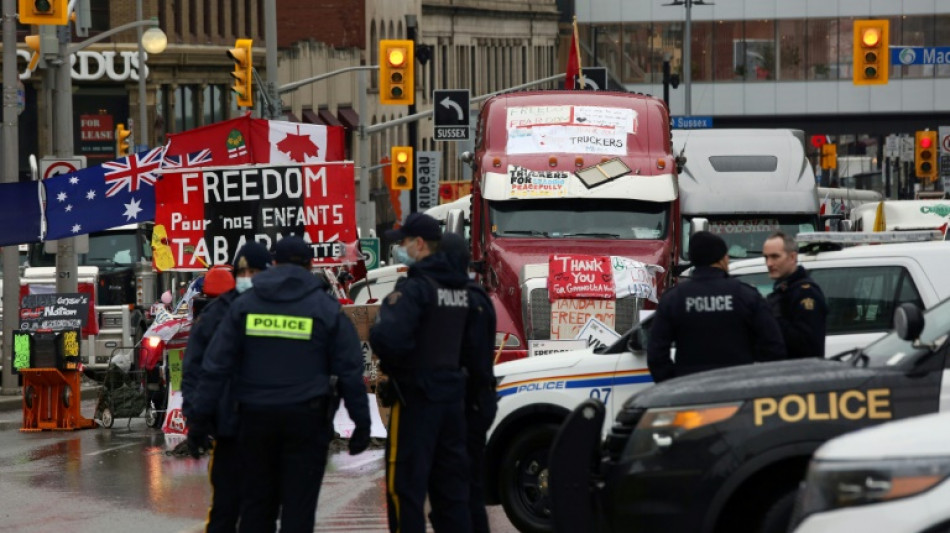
<point x="107" y="418"/>
<point x="779" y="514"/>
<point x="524" y="479"/>
<point x="152" y="419"/>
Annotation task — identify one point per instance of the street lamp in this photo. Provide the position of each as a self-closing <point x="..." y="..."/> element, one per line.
<point x="687" y="45"/>
<point x="154" y="41"/>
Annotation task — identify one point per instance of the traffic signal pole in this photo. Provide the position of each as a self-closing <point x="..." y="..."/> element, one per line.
<point x="66" y="265"/>
<point x="11" y="160"/>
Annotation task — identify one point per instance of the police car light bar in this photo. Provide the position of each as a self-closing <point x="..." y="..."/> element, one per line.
<point x="869" y="237"/>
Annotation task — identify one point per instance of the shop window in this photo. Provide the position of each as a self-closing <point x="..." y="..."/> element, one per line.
<point x="821" y="49"/>
<point x="701" y="53"/>
<point x="635" y="67"/>
<point x="758" y="48"/>
<point x="790" y="52"/>
<point x="729" y="58"/>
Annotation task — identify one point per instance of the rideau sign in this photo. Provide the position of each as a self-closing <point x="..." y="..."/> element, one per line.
<point x="93" y="65"/>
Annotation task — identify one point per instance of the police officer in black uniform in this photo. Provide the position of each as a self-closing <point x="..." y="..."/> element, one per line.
<point x="283" y="341"/>
<point x="481" y="398"/>
<point x="225" y="466"/>
<point x="418" y="339"/>
<point x="714" y="320"/>
<point x="797" y="302"/>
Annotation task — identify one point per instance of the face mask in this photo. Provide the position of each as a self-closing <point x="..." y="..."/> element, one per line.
<point x="402" y="256"/>
<point x="243" y="284"/>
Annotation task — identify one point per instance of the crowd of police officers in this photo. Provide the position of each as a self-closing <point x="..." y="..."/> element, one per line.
<point x="271" y="353"/>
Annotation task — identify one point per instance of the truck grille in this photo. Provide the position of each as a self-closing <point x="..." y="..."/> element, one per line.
<point x="620" y="433"/>
<point x="538" y="323"/>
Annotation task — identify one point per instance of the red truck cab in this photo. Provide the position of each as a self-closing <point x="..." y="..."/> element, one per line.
<point x="568" y="172"/>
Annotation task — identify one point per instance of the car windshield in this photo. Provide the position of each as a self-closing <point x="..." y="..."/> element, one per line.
<point x="580" y="218"/>
<point x="745" y="235"/>
<point x="113" y="249"/>
<point x="892" y="350"/>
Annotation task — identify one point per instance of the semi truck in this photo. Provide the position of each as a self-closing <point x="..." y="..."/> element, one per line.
<point x="748" y="184"/>
<point x="564" y="172"/>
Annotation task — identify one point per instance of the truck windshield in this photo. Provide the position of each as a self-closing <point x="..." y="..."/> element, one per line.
<point x="892" y="350"/>
<point x="745" y="235"/>
<point x="579" y="218"/>
<point x="106" y="250"/>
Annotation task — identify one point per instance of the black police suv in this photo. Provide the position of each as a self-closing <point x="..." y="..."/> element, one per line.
<point x="725" y="450"/>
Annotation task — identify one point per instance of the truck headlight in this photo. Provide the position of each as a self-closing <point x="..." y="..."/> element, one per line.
<point x="833" y="485"/>
<point x="659" y="428"/>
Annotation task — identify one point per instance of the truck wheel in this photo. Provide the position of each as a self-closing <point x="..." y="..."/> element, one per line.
<point x="779" y="514"/>
<point x="152" y="419"/>
<point x="107" y="418"/>
<point x="524" y="479"/>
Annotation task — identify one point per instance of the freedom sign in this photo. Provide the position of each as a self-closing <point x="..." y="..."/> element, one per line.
<point x="203" y="216"/>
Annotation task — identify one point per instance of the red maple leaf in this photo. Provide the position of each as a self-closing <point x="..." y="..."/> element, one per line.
<point x="298" y="147"/>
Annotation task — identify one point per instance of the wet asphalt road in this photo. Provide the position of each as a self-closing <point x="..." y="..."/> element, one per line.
<point x="121" y="480"/>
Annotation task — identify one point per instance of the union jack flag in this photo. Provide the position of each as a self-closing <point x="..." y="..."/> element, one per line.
<point x="133" y="171"/>
<point x="194" y="159"/>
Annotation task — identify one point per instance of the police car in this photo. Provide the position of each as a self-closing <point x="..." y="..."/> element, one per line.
<point x="893" y="477"/>
<point x="725" y="450"/>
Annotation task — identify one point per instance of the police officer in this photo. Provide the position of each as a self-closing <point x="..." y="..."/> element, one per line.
<point x="481" y="398"/>
<point x="282" y="341"/>
<point x="714" y="320"/>
<point x="225" y="466"/>
<point x="418" y="339"/>
<point x="797" y="302"/>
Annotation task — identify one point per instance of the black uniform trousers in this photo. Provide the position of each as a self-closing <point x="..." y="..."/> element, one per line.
<point x="426" y="452"/>
<point x="224" y="469"/>
<point x="477" y="425"/>
<point x="284" y="451"/>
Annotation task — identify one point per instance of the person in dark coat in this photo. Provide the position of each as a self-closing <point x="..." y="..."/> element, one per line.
<point x="418" y="339"/>
<point x="797" y="302"/>
<point x="481" y="398"/>
<point x="714" y="321"/>
<point x="282" y="345"/>
<point x="225" y="468"/>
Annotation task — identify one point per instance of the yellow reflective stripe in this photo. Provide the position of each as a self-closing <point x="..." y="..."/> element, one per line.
<point x="393" y="441"/>
<point x="284" y="326"/>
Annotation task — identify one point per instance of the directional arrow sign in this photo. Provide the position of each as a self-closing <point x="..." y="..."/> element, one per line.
<point x="595" y="79"/>
<point x="451" y="115"/>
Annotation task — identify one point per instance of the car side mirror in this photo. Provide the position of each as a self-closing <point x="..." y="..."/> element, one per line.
<point x="908" y="321"/>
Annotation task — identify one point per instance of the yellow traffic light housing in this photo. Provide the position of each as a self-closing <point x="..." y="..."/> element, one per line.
<point x="871" y="54"/>
<point x="243" y="73"/>
<point x="925" y="155"/>
<point x="123" y="141"/>
<point x="829" y="156"/>
<point x="396" y="65"/>
<point x="33" y="43"/>
<point x="43" y="12"/>
<point x="401" y="172"/>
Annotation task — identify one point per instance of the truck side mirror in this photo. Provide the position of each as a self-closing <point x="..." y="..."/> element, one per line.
<point x="455" y="222"/>
<point x="908" y="321"/>
<point x="698" y="224"/>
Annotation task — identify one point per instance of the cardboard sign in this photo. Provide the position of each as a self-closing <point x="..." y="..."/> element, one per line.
<point x="527" y="183"/>
<point x="569" y="316"/>
<point x="363" y="317"/>
<point x="633" y="278"/>
<point x="547" y="347"/>
<point x="596" y="334"/>
<point x="580" y="276"/>
<point x="54" y="312"/>
<point x="569" y="129"/>
<point x="204" y="216"/>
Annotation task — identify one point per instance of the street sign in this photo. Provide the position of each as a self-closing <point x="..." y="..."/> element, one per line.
<point x="595" y="79"/>
<point x="692" y="123"/>
<point x="943" y="135"/>
<point x="920" y="55"/>
<point x="451" y="110"/>
<point x="370" y="248"/>
<point x="907" y="148"/>
<point x="891" y="146"/>
<point x="427" y="179"/>
<point x="54" y="166"/>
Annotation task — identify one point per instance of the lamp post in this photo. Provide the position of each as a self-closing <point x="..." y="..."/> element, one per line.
<point x="153" y="41"/>
<point x="687" y="46"/>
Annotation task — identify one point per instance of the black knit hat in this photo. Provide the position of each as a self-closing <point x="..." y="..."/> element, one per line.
<point x="706" y="248"/>
<point x="293" y="250"/>
<point x="252" y="255"/>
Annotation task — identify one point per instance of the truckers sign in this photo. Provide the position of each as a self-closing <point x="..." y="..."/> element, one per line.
<point x="55" y="166"/>
<point x="451" y="112"/>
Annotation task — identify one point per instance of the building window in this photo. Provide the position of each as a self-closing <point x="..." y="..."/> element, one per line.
<point x="790" y="53"/>
<point x="214" y="104"/>
<point x="758" y="46"/>
<point x="186" y="105"/>
<point x="99" y="15"/>
<point x="915" y="31"/>
<point x="822" y="41"/>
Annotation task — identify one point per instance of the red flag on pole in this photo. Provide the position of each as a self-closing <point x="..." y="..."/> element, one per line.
<point x="574" y="61"/>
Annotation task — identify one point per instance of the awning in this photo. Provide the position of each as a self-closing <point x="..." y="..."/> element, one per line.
<point x="327" y="118"/>
<point x="310" y="116"/>
<point x="290" y="117"/>
<point x="348" y="117"/>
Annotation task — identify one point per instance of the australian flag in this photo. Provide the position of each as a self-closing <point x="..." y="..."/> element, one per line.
<point x="106" y="196"/>
<point x="194" y="159"/>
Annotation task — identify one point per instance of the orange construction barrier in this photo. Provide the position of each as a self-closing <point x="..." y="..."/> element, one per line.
<point x="51" y="400"/>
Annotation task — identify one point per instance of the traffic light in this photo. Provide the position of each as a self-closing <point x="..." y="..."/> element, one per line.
<point x="925" y="155"/>
<point x="43" y="12"/>
<point x="396" y="81"/>
<point x="401" y="175"/>
<point x="829" y="156"/>
<point x="123" y="141"/>
<point x="243" y="72"/>
<point x="871" y="55"/>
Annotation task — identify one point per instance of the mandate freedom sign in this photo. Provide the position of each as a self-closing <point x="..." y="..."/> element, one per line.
<point x="54" y="312"/>
<point x="208" y="214"/>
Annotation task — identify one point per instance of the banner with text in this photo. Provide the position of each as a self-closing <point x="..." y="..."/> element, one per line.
<point x="204" y="216"/>
<point x="600" y="277"/>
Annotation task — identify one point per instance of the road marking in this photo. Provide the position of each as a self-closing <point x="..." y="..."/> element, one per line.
<point x="114" y="448"/>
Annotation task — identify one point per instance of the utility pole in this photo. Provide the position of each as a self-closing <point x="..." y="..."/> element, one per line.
<point x="66" y="264"/>
<point x="270" y="37"/>
<point x="143" y="111"/>
<point x="687" y="46"/>
<point x="11" y="160"/>
<point x="412" y="24"/>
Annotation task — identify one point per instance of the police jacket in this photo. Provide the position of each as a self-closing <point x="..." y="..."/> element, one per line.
<point x="198" y="339"/>
<point x="478" y="351"/>
<point x="282" y="340"/>
<point x="714" y="321"/>
<point x="419" y="329"/>
<point x="800" y="309"/>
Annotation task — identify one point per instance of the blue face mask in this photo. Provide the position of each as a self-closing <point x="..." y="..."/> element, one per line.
<point x="243" y="284"/>
<point x="402" y="256"/>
